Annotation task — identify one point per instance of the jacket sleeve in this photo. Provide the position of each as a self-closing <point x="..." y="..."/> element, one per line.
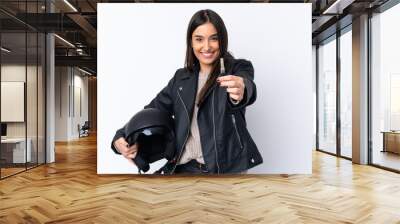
<point x="163" y="101"/>
<point x="244" y="69"/>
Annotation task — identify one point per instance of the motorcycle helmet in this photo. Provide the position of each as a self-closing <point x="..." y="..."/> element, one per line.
<point x="153" y="131"/>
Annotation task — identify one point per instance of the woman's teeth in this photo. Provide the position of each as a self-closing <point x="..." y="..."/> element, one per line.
<point x="207" y="55"/>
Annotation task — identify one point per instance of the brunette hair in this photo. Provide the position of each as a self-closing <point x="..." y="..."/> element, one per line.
<point x="199" y="18"/>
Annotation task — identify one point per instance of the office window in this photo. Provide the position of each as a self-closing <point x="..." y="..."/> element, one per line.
<point x="327" y="96"/>
<point x="385" y="90"/>
<point x="346" y="94"/>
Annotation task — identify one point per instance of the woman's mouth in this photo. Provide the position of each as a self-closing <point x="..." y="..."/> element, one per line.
<point x="207" y="55"/>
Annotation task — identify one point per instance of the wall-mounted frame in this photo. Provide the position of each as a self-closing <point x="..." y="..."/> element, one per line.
<point x="12" y="101"/>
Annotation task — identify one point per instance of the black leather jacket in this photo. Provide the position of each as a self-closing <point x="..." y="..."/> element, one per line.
<point x="226" y="143"/>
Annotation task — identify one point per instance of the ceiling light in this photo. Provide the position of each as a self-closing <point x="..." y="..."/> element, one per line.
<point x="337" y="7"/>
<point x="86" y="72"/>
<point x="64" y="40"/>
<point x="70" y="5"/>
<point x="5" y="50"/>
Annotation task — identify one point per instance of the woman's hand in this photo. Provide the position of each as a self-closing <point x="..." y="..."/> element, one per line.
<point x="128" y="152"/>
<point x="235" y="86"/>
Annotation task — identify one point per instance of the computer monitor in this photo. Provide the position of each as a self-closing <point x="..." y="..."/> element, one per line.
<point x="3" y="129"/>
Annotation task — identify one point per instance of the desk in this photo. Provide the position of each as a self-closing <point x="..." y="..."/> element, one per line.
<point x="391" y="141"/>
<point x="15" y="148"/>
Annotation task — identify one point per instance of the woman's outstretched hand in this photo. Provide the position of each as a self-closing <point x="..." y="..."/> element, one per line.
<point x="128" y="152"/>
<point x="235" y="86"/>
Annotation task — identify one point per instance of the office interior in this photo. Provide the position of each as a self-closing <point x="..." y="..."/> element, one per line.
<point x="48" y="80"/>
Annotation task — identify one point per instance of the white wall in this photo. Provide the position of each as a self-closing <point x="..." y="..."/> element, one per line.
<point x="140" y="46"/>
<point x="61" y="103"/>
<point x="68" y="81"/>
<point x="80" y="103"/>
<point x="314" y="88"/>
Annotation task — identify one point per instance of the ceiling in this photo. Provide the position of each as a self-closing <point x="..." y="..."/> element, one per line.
<point x="76" y="22"/>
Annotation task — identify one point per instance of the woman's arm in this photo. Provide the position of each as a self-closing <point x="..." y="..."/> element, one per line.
<point x="241" y="89"/>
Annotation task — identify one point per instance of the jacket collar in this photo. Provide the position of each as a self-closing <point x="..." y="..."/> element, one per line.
<point x="187" y="74"/>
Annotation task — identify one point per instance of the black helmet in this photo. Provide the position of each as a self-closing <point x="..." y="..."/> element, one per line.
<point x="153" y="130"/>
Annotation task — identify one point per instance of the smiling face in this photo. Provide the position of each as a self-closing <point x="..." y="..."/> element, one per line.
<point x="205" y="45"/>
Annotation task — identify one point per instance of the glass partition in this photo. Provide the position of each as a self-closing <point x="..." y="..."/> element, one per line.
<point x="22" y="63"/>
<point x="14" y="153"/>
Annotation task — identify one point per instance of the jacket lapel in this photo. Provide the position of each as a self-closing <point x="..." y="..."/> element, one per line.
<point x="209" y="91"/>
<point x="188" y="89"/>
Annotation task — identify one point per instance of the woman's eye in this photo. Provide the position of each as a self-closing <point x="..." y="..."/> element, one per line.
<point x="198" y="39"/>
<point x="214" y="38"/>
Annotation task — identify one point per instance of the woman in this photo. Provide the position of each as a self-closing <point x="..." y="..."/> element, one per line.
<point x="208" y="109"/>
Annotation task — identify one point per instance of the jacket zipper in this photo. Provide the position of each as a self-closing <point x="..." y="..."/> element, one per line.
<point x="214" y="128"/>
<point x="187" y="135"/>
<point x="236" y="130"/>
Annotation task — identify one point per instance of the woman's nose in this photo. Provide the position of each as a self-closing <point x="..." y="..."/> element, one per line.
<point x="206" y="45"/>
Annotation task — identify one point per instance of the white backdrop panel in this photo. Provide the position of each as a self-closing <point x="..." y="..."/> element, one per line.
<point x="140" y="46"/>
